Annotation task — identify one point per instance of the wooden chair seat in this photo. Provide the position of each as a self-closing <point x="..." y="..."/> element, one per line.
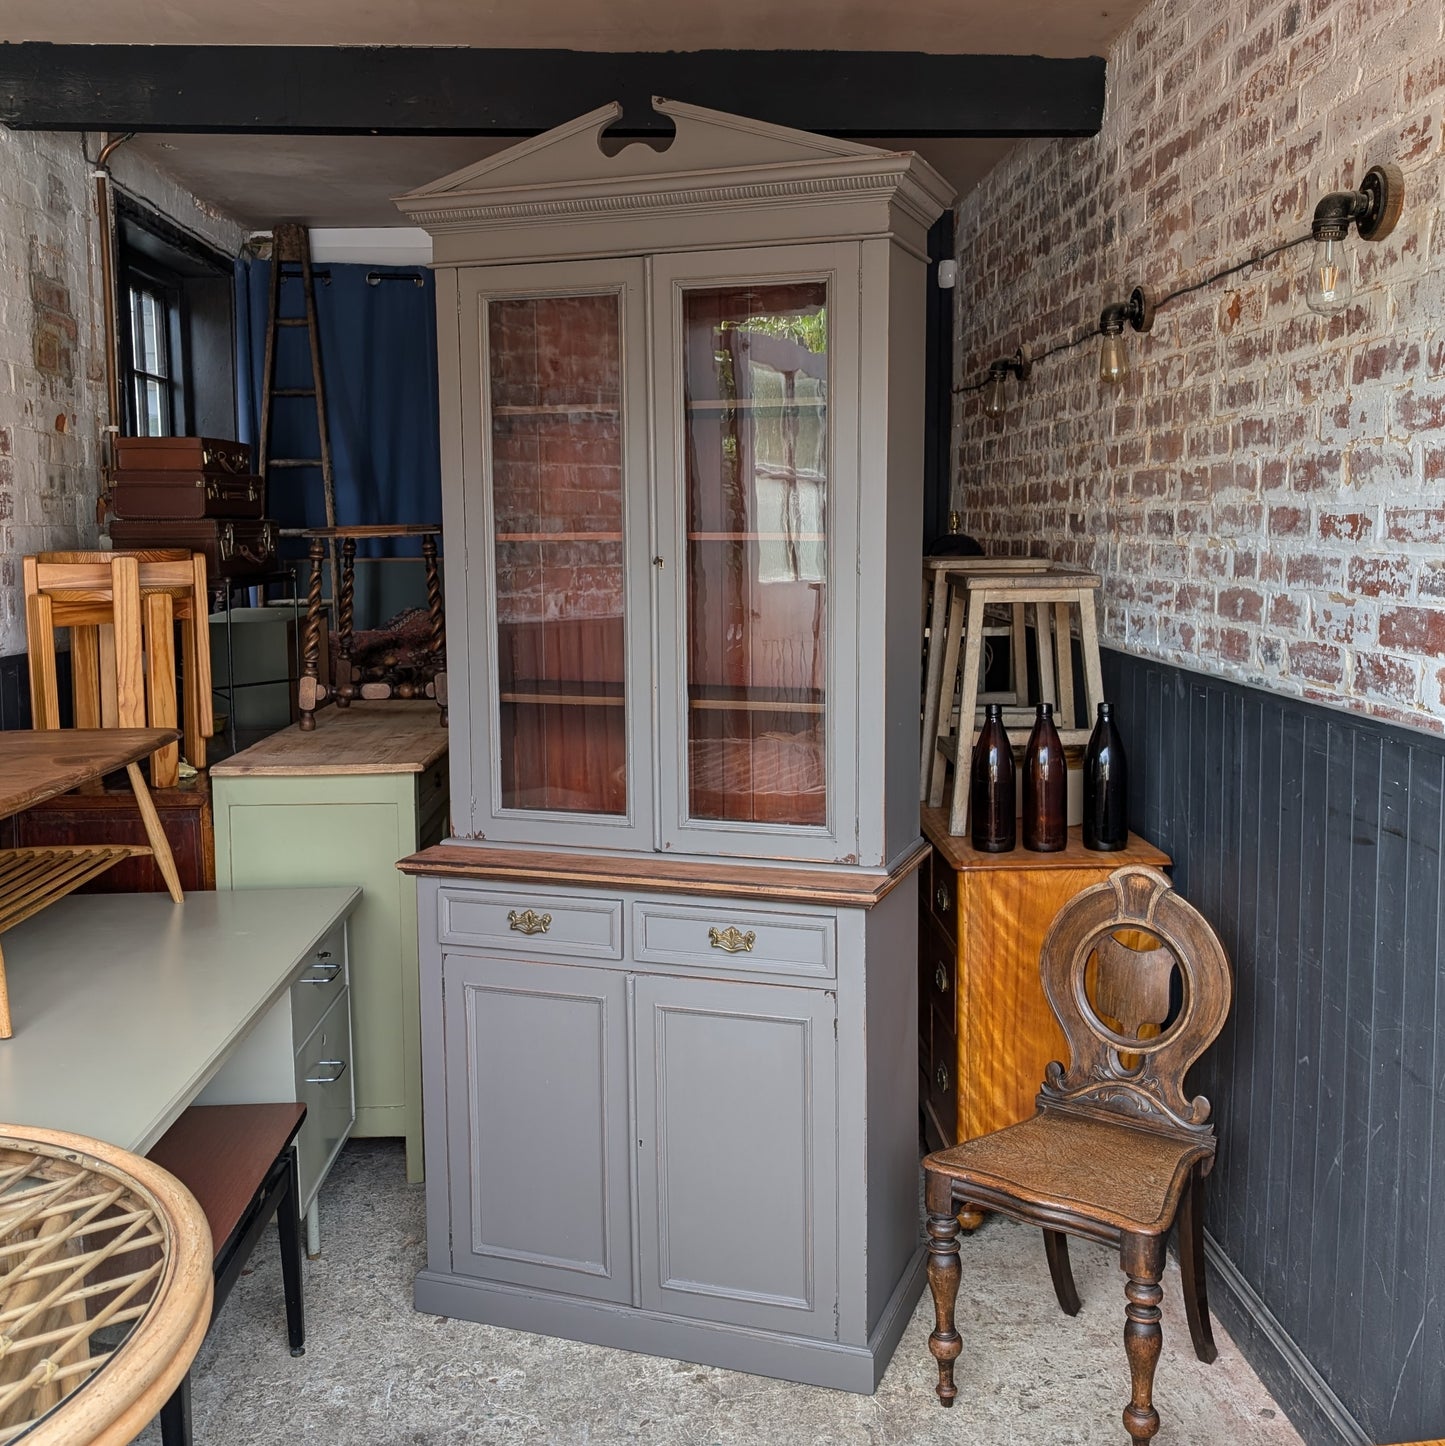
<point x="1129" y="1179"/>
<point x="1117" y="1151"/>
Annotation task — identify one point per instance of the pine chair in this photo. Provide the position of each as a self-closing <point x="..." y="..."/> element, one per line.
<point x="1141" y="988"/>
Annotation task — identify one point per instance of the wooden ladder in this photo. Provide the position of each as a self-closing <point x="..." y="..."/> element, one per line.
<point x="291" y="261"/>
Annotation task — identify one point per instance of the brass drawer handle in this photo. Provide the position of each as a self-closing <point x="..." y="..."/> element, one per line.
<point x="732" y="939"/>
<point x="529" y="921"/>
<point x="339" y="1065"/>
<point x="940" y="978"/>
<point x="941" y="897"/>
<point x="940" y="1078"/>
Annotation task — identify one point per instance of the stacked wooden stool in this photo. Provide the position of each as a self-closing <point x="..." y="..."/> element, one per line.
<point x="121" y="609"/>
<point x="962" y="592"/>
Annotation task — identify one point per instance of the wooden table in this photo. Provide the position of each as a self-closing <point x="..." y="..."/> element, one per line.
<point x="39" y="764"/>
<point x="986" y="1032"/>
<point x="340" y="805"/>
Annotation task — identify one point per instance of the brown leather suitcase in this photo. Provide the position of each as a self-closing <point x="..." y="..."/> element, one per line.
<point x="188" y="454"/>
<point x="233" y="547"/>
<point x="139" y="496"/>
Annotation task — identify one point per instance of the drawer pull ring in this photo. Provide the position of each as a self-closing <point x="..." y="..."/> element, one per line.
<point x="323" y="977"/>
<point x="940" y="978"/>
<point x="732" y="939"/>
<point x="529" y="921"/>
<point x="941" y="1078"/>
<point x="942" y="897"/>
<point x="339" y="1065"/>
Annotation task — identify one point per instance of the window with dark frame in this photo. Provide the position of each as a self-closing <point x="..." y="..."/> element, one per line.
<point x="156" y="401"/>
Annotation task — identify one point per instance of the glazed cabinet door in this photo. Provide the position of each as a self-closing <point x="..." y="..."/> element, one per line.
<point x="553" y="456"/>
<point x="737" y="1151"/>
<point x="755" y="361"/>
<point x="537" y="1137"/>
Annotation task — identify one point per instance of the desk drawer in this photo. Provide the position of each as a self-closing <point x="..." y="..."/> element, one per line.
<point x="323" y="1085"/>
<point x="536" y="921"/>
<point x="743" y="939"/>
<point x="320" y="983"/>
<point x="937" y="970"/>
<point x="942" y="893"/>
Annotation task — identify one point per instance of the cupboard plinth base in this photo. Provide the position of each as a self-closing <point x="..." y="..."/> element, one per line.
<point x="833" y="1364"/>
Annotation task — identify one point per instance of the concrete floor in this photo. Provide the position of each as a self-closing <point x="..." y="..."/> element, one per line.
<point x="376" y="1373"/>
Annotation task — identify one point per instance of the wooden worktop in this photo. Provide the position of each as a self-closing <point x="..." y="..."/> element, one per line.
<point x="663" y="874"/>
<point x="962" y="855"/>
<point x="382" y="737"/>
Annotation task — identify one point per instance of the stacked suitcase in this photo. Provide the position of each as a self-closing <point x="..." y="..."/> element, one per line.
<point x="193" y="492"/>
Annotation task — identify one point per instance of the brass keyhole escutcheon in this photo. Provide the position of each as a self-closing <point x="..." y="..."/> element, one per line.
<point x="529" y="921"/>
<point x="732" y="939"/>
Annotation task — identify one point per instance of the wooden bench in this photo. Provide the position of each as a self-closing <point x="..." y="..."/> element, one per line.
<point x="239" y="1161"/>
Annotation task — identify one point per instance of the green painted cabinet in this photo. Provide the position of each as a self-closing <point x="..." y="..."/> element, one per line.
<point x="341" y="805"/>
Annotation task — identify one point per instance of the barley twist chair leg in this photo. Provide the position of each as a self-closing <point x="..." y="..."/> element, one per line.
<point x="943" y="1276"/>
<point x="1143" y="1260"/>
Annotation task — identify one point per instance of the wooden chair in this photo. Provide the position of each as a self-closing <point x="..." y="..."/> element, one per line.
<point x="1116" y="1151"/>
<point x="121" y="608"/>
<point x="239" y="1161"/>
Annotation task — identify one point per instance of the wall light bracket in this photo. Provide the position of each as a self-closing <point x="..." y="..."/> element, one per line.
<point x="1373" y="210"/>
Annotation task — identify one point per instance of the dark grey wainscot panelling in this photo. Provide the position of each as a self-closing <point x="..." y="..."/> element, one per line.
<point x="1311" y="840"/>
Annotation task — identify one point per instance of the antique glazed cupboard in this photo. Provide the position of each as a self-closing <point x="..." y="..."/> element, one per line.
<point x="668" y="976"/>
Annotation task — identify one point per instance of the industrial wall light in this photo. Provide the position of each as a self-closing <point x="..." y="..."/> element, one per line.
<point x="1373" y="211"/>
<point x="1138" y="311"/>
<point x="994" y="400"/>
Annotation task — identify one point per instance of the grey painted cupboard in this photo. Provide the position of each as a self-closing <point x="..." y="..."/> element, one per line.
<point x="668" y="982"/>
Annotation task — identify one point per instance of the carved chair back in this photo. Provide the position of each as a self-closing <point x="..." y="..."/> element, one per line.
<point x="1141" y="987"/>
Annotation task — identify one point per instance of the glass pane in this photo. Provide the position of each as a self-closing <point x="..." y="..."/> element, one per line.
<point x="756" y="392"/>
<point x="148" y="332"/>
<point x="151" y="409"/>
<point x="555" y="381"/>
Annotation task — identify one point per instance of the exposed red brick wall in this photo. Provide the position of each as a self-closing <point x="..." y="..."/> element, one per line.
<point x="1265" y="494"/>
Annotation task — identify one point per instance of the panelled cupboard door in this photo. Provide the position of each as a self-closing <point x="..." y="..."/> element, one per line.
<point x="537" y="1136"/>
<point x="737" y="1157"/>
<point x="554" y="466"/>
<point x="756" y="368"/>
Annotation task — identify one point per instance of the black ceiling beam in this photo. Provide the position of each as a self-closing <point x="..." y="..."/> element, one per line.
<point x="406" y="90"/>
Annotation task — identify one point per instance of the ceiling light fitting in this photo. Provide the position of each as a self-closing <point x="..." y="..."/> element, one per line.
<point x="1373" y="211"/>
<point x="994" y="399"/>
<point x="1137" y="312"/>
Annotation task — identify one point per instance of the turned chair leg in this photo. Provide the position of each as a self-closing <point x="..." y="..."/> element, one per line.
<point x="1056" y="1247"/>
<point x="1142" y="1257"/>
<point x="943" y="1275"/>
<point x="1191" y="1269"/>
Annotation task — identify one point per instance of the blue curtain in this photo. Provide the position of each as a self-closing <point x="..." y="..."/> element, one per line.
<point x="377" y="329"/>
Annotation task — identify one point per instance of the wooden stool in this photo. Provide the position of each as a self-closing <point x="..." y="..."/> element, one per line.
<point x="121" y="608"/>
<point x="1052" y="595"/>
<point x="239" y="1161"/>
<point x="937" y="573"/>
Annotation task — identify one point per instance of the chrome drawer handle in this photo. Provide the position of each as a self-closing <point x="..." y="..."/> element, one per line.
<point x="940" y="1078"/>
<point x="339" y="1065"/>
<point x="732" y="939"/>
<point x="324" y="977"/>
<point x="529" y="921"/>
<point x="942" y="897"/>
<point x="940" y="978"/>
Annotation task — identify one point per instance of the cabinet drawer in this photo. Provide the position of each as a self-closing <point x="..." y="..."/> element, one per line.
<point x="323" y="1085"/>
<point x="746" y="939"/>
<point x="323" y="978"/>
<point x="534" y="922"/>
<point x="942" y="894"/>
<point x="937" y="970"/>
<point x="942" y="1077"/>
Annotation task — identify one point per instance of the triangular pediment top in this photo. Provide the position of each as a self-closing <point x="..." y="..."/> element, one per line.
<point x="705" y="140"/>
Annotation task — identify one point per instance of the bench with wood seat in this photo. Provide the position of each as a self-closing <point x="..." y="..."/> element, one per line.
<point x="239" y="1161"/>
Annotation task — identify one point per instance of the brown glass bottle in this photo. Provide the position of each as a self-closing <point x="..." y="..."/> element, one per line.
<point x="1106" y="786"/>
<point x="1046" y="801"/>
<point x="991" y="786"/>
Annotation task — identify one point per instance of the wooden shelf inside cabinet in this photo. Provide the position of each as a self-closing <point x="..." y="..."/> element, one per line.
<point x="547" y="537"/>
<point x="752" y="700"/>
<point x="566" y="410"/>
<point x="756" y="404"/>
<point x="565" y="695"/>
<point x="757" y="536"/>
